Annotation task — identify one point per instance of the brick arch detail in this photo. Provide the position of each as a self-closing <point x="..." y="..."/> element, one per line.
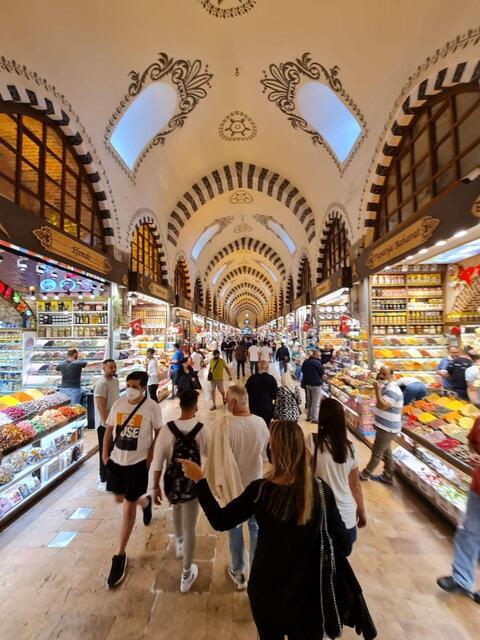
<point x="334" y="212"/>
<point x="147" y="216"/>
<point x="25" y="87"/>
<point x="250" y="244"/>
<point x="240" y="175"/>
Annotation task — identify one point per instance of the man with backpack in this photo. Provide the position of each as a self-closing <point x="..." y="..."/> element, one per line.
<point x="183" y="438"/>
<point x="132" y="427"/>
<point x="241" y="352"/>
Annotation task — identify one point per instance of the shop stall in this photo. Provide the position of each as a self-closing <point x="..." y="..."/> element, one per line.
<point x="182" y="319"/>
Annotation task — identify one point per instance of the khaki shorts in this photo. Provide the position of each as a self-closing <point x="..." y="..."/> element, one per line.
<point x="217" y="384"/>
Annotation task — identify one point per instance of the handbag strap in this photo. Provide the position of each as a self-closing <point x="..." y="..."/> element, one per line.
<point x="325" y="538"/>
<point x="119" y="429"/>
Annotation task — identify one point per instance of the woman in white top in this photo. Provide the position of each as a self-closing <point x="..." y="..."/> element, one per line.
<point x="335" y="462"/>
<point x="152" y="370"/>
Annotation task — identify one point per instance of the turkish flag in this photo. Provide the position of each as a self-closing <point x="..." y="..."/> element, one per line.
<point x="136" y="326"/>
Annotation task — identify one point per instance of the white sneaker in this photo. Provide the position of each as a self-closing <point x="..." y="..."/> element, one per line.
<point x="102" y="486"/>
<point x="238" y="578"/>
<point x="188" y="579"/>
<point x="178" y="548"/>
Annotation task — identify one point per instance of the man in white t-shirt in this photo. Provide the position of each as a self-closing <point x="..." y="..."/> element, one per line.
<point x="254" y="357"/>
<point x="197" y="359"/>
<point x="106" y="392"/>
<point x="185" y="513"/>
<point x="266" y="352"/>
<point x="152" y="370"/>
<point x="248" y="437"/>
<point x="133" y="425"/>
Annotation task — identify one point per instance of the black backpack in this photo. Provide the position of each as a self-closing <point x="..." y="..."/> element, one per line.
<point x="177" y="487"/>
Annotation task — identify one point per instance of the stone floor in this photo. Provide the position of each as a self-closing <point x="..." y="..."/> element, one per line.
<point x="59" y="593"/>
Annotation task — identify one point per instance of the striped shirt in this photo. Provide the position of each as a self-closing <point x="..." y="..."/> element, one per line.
<point x="390" y="419"/>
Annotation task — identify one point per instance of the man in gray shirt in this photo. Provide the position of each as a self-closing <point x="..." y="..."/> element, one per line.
<point x="71" y="370"/>
<point x="105" y="394"/>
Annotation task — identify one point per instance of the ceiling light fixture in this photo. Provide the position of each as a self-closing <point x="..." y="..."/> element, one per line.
<point x="409" y="258"/>
<point x="422" y="251"/>
<point x="441" y="243"/>
<point x="460" y="234"/>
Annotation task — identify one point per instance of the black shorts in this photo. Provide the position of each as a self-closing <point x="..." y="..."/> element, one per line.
<point x="130" y="481"/>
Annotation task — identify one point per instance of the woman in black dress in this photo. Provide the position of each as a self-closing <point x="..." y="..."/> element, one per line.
<point x="284" y="586"/>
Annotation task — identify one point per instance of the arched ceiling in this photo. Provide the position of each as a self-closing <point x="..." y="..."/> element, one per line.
<point x="232" y="149"/>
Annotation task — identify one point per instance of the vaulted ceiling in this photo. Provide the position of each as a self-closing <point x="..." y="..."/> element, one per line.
<point x="232" y="156"/>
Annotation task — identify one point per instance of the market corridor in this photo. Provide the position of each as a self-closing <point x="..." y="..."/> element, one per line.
<point x="60" y="593"/>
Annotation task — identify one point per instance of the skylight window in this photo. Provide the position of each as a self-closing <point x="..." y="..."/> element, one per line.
<point x="283" y="235"/>
<point x="218" y="274"/>
<point x="268" y="270"/>
<point x="143" y="119"/>
<point x="204" y="238"/>
<point x="328" y="115"/>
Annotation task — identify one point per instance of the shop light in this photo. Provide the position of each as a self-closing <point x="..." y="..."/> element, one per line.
<point x="92" y="296"/>
<point x="80" y="296"/>
<point x="422" y="251"/>
<point x="33" y="298"/>
<point x="332" y="296"/>
<point x="44" y="297"/>
<point x="387" y="268"/>
<point x="56" y="297"/>
<point x="441" y="243"/>
<point x="460" y="234"/>
<point x="409" y="258"/>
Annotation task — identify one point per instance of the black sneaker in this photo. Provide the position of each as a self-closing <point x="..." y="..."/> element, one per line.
<point x="117" y="572"/>
<point x="476" y="597"/>
<point x="147" y="512"/>
<point x="448" y="584"/>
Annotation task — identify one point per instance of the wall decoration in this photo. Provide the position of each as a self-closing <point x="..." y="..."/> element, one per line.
<point x="228" y="8"/>
<point x="237" y="126"/>
<point x="241" y="197"/>
<point x="191" y="77"/>
<point x="281" y="86"/>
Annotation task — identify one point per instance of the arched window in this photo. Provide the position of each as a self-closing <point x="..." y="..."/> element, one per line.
<point x="144" y="255"/>
<point x="304" y="276"/>
<point x="198" y="292"/>
<point x="40" y="172"/>
<point x="336" y="253"/>
<point x="440" y="146"/>
<point x="290" y="295"/>
<point x="181" y="279"/>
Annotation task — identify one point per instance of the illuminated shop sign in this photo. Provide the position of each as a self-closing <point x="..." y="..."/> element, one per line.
<point x="15" y="299"/>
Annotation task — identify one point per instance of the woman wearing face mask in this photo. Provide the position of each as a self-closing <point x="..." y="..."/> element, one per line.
<point x="187" y="378"/>
<point x="290" y="585"/>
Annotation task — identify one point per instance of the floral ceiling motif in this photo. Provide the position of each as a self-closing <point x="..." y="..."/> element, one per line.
<point x="240" y="196"/>
<point x="190" y="77"/>
<point x="281" y="85"/>
<point x="237" y="126"/>
<point x="228" y="8"/>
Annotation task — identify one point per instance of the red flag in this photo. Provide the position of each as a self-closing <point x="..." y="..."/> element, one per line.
<point x="136" y="326"/>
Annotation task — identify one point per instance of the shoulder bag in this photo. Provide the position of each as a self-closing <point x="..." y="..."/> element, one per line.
<point x="211" y="371"/>
<point x="119" y="429"/>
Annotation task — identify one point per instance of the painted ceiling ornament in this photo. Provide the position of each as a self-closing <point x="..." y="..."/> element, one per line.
<point x="281" y="85"/>
<point x="265" y="220"/>
<point x="237" y="126"/>
<point x="228" y="8"/>
<point x="240" y="196"/>
<point x="190" y="77"/>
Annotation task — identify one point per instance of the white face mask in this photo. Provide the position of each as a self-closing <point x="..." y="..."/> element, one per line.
<point x="132" y="394"/>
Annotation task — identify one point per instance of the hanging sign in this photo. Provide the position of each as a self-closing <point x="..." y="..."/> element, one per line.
<point x="15" y="299"/>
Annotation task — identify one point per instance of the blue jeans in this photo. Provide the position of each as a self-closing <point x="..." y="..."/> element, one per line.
<point x="353" y="534"/>
<point x="74" y="393"/>
<point x="237" y="546"/>
<point x="414" y="391"/>
<point x="466" y="544"/>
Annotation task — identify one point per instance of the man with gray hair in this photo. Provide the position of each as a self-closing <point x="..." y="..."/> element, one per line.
<point x="247" y="436"/>
<point x="312" y="380"/>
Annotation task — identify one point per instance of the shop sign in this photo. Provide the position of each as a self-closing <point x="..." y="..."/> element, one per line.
<point x="413" y="236"/>
<point x="438" y="220"/>
<point x="322" y="289"/>
<point x="61" y="245"/>
<point x="15" y="299"/>
<point x="185" y="303"/>
<point x="302" y="300"/>
<point x="142" y="284"/>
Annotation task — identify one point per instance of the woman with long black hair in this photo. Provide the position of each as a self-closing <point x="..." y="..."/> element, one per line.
<point x="335" y="462"/>
<point x="300" y="560"/>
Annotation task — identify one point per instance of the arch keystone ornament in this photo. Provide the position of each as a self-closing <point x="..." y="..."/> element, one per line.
<point x="282" y="83"/>
<point x="241" y="197"/>
<point x="189" y="77"/>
